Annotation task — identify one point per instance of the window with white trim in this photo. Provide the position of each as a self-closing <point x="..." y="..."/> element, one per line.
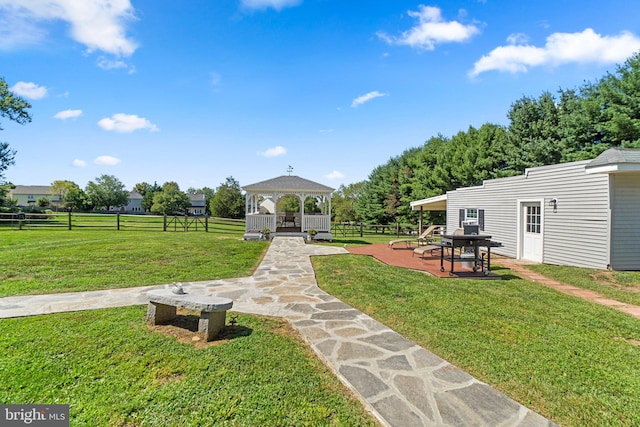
<point x="471" y="216"/>
<point x="533" y="219"/>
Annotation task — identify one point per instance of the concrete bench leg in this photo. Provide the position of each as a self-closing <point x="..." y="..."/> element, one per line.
<point x="210" y="324"/>
<point x="160" y="313"/>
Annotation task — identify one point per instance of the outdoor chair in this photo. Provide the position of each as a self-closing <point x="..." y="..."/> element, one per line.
<point x="426" y="237"/>
<point x="289" y="217"/>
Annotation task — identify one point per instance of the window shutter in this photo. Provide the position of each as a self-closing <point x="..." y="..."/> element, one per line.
<point x="460" y="218"/>
<point x="481" y="219"/>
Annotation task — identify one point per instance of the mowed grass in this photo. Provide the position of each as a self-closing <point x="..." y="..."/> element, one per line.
<point x="113" y="370"/>
<point x="38" y="261"/>
<point x="623" y="286"/>
<point x="574" y="362"/>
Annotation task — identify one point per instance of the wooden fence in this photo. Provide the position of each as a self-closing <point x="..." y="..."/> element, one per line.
<point x="353" y="229"/>
<point x="117" y="221"/>
<point x="73" y="220"/>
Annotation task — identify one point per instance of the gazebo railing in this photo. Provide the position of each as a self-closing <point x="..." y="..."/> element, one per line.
<point x="317" y="222"/>
<point x="259" y="222"/>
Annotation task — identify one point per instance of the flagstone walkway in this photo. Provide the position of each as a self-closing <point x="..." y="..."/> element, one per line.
<point x="399" y="382"/>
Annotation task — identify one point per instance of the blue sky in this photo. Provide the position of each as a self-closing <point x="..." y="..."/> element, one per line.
<point x="196" y="91"/>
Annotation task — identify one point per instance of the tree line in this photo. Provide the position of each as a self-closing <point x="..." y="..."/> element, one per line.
<point x="574" y="124"/>
<point x="107" y="192"/>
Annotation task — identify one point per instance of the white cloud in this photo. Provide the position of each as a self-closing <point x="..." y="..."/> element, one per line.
<point x="67" y="114"/>
<point x="265" y="4"/>
<point x="518" y="38"/>
<point x="114" y="64"/>
<point x="366" y="98"/>
<point x="560" y="48"/>
<point x="431" y="30"/>
<point x="274" y="152"/>
<point x="79" y="163"/>
<point x="126" y="123"/>
<point x="97" y="24"/>
<point x="106" y="160"/>
<point x="29" y="90"/>
<point x="334" y="175"/>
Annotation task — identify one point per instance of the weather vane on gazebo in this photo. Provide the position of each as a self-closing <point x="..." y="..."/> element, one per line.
<point x="290" y="169"/>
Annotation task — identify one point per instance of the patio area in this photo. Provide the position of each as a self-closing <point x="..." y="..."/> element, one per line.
<point x="404" y="257"/>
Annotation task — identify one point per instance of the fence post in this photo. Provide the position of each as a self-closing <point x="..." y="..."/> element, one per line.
<point x="164" y="223"/>
<point x="206" y="223"/>
<point x="361" y="229"/>
<point x="69" y="221"/>
<point x="186" y="226"/>
<point x="118" y="221"/>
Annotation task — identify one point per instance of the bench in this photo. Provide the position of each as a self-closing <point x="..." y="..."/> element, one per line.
<point x="421" y="250"/>
<point x="213" y="310"/>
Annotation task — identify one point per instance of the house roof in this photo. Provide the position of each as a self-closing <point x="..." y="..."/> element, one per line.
<point x="287" y="183"/>
<point x="437" y="203"/>
<point x="31" y="189"/>
<point x="134" y="195"/>
<point x="615" y="160"/>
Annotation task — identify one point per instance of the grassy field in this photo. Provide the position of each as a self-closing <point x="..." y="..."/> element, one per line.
<point x="575" y="362"/>
<point x="46" y="261"/>
<point x="623" y="286"/>
<point x="113" y="370"/>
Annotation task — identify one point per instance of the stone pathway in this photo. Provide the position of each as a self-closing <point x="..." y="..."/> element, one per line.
<point x="519" y="268"/>
<point x="399" y="382"/>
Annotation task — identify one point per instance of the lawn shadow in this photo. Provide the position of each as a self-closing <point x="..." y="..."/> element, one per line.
<point x="184" y="328"/>
<point x="504" y="272"/>
<point x="351" y="241"/>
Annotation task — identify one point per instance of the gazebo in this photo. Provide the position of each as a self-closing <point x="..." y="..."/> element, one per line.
<point x="281" y="222"/>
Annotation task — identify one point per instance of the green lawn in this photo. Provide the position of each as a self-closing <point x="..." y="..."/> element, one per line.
<point x="623" y="286"/>
<point x="57" y="260"/>
<point x="574" y="362"/>
<point x="113" y="370"/>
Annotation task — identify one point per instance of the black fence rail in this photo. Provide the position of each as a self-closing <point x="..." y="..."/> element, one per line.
<point x="353" y="229"/>
<point x="117" y="221"/>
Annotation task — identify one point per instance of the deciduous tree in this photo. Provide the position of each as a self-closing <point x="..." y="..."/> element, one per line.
<point x="107" y="192"/>
<point x="228" y="201"/>
<point x="14" y="108"/>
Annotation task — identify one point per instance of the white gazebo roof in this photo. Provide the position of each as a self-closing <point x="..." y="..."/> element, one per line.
<point x="286" y="184"/>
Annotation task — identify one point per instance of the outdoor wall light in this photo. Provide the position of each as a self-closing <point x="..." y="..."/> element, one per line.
<point x="554" y="204"/>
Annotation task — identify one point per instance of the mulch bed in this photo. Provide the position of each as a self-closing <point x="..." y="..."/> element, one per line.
<point x="403" y="257"/>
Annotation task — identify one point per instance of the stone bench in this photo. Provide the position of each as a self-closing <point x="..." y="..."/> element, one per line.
<point x="213" y="310"/>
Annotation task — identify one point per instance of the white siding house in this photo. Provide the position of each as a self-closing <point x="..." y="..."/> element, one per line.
<point x="134" y="203"/>
<point x="584" y="214"/>
<point x="198" y="204"/>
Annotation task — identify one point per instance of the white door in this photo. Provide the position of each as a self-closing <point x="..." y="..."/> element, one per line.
<point x="531" y="231"/>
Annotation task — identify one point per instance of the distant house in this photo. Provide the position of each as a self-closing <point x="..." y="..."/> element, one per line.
<point x="198" y="204"/>
<point x="28" y="195"/>
<point x="134" y="204"/>
<point x="581" y="214"/>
